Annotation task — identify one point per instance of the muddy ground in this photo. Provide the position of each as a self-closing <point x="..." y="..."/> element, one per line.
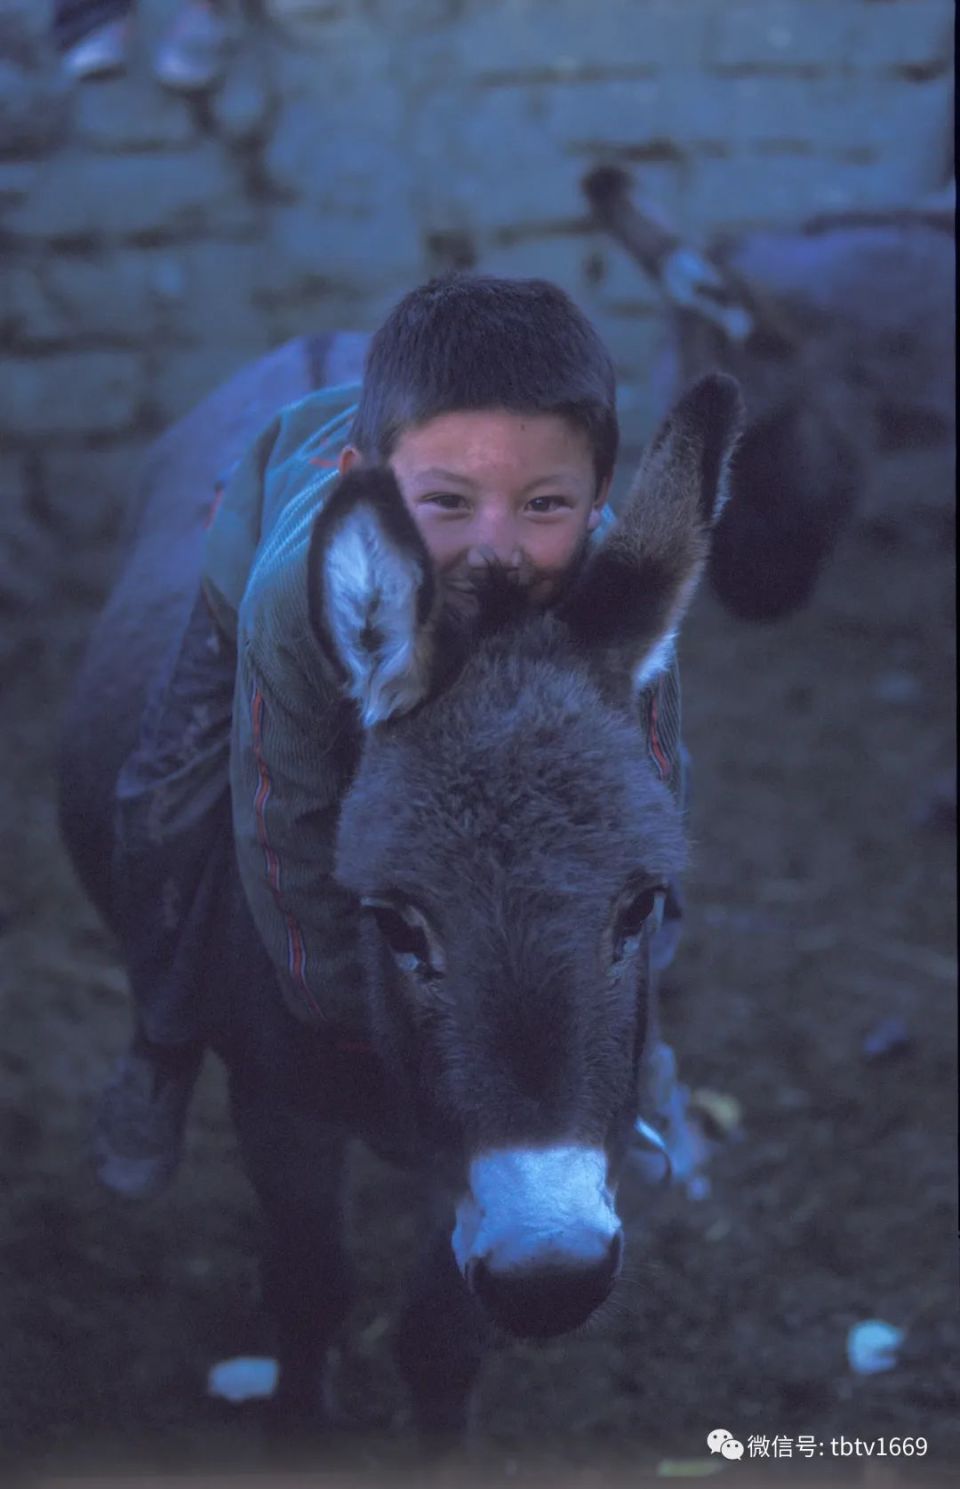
<point x="822" y="902"/>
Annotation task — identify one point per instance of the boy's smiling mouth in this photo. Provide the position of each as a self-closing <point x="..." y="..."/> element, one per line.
<point x="466" y="589"/>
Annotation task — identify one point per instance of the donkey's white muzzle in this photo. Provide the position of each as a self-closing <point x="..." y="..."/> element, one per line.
<point x="533" y="1207"/>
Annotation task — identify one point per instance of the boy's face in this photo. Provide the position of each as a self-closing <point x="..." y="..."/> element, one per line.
<point x="491" y="487"/>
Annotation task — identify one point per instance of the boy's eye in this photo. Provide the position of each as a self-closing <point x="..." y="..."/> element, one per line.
<point x="543" y="505"/>
<point x="447" y="501"/>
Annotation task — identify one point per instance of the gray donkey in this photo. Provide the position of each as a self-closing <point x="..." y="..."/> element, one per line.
<point x="509" y="843"/>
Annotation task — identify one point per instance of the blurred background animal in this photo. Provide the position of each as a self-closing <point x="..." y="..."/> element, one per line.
<point x="841" y="332"/>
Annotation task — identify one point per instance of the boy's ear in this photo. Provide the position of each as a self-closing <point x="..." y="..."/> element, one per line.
<point x="372" y="594"/>
<point x="599" y="502"/>
<point x="632" y="595"/>
<point x="348" y="458"/>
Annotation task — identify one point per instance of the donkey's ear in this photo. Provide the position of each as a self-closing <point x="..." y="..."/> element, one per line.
<point x="631" y="597"/>
<point x="372" y="594"/>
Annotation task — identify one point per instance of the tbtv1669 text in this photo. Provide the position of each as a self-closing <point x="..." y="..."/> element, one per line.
<point x="878" y="1447"/>
<point x="837" y="1447"/>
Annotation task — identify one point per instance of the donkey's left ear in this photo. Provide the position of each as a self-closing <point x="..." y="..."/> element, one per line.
<point x="372" y="594"/>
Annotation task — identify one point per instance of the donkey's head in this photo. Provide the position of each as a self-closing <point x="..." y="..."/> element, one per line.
<point x="509" y="839"/>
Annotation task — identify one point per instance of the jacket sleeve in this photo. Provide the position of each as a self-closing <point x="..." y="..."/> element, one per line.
<point x="294" y="736"/>
<point x="293" y="751"/>
<point x="235" y="528"/>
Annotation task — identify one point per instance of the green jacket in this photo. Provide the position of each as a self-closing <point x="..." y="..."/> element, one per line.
<point x="295" y="736"/>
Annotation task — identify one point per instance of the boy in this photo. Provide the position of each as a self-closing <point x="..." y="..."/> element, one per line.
<point x="493" y="401"/>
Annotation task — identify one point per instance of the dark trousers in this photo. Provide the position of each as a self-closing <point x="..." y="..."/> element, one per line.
<point x="173" y="839"/>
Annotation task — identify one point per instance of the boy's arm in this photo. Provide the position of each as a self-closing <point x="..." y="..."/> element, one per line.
<point x="294" y="737"/>
<point x="293" y="750"/>
<point x="660" y="703"/>
<point x="277" y="479"/>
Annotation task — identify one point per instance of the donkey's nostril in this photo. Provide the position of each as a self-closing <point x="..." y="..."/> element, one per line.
<point x="539" y="1302"/>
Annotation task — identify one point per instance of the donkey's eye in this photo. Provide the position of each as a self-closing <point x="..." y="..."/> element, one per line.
<point x="630" y="921"/>
<point x="403" y="939"/>
<point x="407" y="938"/>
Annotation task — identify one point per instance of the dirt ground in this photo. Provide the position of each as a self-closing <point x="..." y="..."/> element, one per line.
<point x="822" y="901"/>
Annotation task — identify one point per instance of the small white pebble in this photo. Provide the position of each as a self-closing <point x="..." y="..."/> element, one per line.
<point x="245" y="1378"/>
<point x="872" y="1346"/>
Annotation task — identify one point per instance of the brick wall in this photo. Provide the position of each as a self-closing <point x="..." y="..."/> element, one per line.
<point x="151" y="244"/>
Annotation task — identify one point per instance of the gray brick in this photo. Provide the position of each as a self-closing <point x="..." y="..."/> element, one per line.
<point x="754" y="110"/>
<point x="121" y="114"/>
<point x="639" y="407"/>
<point x="26" y="30"/>
<point x="32" y="109"/>
<point x="292" y="12"/>
<point x="9" y="302"/>
<point x="329" y="143"/>
<point x="661" y="123"/>
<point x="370" y="309"/>
<point x="879" y="182"/>
<point x="321" y="24"/>
<point x="823" y="115"/>
<point x="357" y="309"/>
<point x="909" y="128"/>
<point x="630" y="341"/>
<point x="26" y="560"/>
<point x="179" y="379"/>
<point x="510" y="172"/>
<point x="12" y="479"/>
<point x="244" y="107"/>
<point x="916" y="33"/>
<point x="518" y="37"/>
<point x="561" y="259"/>
<point x="66" y="299"/>
<point x="317" y="310"/>
<point x="87" y="492"/>
<point x="74" y="393"/>
<point x="315" y="247"/>
<point x="102" y="196"/>
<point x="17" y="178"/>
<point x="612" y="114"/>
<point x="207" y="292"/>
<point x="778" y="33"/>
<point x="635" y="345"/>
<point x="573" y="262"/>
<point x="767" y="190"/>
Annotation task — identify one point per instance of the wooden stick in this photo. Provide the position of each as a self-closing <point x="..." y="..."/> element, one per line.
<point x="701" y="286"/>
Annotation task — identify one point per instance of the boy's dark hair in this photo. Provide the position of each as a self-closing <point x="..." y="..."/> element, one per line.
<point x="470" y="341"/>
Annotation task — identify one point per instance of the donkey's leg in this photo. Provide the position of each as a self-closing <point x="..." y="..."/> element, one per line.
<point x="297" y="1165"/>
<point x="440" y="1338"/>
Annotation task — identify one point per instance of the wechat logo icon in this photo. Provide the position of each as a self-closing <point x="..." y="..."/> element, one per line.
<point x="723" y="1442"/>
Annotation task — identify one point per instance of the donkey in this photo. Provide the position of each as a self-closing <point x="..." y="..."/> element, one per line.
<point x="507" y="842"/>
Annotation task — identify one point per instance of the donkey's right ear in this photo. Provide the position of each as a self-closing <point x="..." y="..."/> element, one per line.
<point x="372" y="594"/>
<point x="632" y="594"/>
